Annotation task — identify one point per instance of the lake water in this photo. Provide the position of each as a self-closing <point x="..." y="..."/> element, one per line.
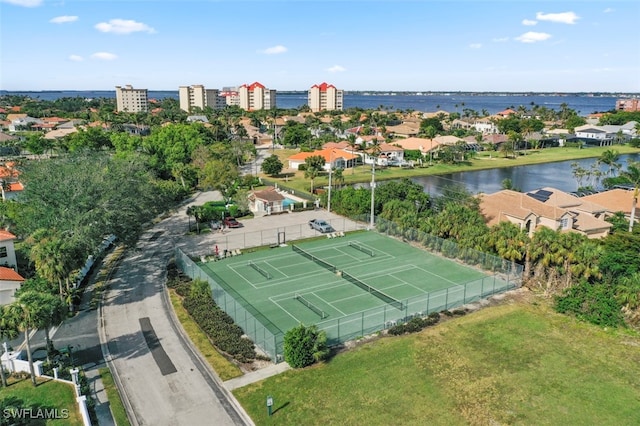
<point x="558" y="175"/>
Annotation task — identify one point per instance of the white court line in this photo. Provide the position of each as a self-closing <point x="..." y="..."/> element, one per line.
<point x="328" y="303"/>
<point x="285" y="310"/>
<point x="277" y="269"/>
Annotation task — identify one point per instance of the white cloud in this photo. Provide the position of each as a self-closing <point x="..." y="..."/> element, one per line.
<point x="104" y="56"/>
<point x="533" y="37"/>
<point x="608" y="10"/>
<point x="562" y="18"/>
<point x="24" y="3"/>
<point x="124" y="26"/>
<point x="63" y="19"/>
<point x="336" y="68"/>
<point x="500" y="39"/>
<point x="275" y="50"/>
<point x="76" y="58"/>
<point x="475" y="45"/>
<point x="529" y="22"/>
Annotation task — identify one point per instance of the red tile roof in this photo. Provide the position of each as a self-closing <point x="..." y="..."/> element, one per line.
<point x="8" y="274"/>
<point x="323" y="86"/>
<point x="6" y="235"/>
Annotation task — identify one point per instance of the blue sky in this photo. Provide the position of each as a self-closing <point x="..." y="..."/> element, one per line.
<point x="421" y="45"/>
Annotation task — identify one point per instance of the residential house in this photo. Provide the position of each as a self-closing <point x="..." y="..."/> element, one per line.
<point x="20" y="121"/>
<point x="7" y="250"/>
<point x="404" y="130"/>
<point x="390" y="155"/>
<point x="485" y="125"/>
<point x="10" y="281"/>
<point x="533" y="210"/>
<point x="615" y="200"/>
<point x="424" y="145"/>
<point x="334" y="158"/>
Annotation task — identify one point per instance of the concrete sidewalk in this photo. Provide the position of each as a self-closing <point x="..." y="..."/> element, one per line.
<point x="256" y="376"/>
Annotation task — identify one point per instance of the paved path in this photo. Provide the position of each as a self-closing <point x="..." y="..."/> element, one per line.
<point x="164" y="381"/>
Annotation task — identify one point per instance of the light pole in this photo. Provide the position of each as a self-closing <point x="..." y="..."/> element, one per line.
<point x="329" y="193"/>
<point x="372" y="222"/>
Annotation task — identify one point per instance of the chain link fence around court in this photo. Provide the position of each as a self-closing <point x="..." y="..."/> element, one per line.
<point x="260" y="330"/>
<point x="277" y="236"/>
<point x="506" y="276"/>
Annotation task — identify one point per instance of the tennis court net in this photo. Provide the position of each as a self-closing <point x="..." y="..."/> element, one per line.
<point x="361" y="248"/>
<point x="317" y="260"/>
<point x="377" y="293"/>
<point x="310" y="305"/>
<point x="263" y="272"/>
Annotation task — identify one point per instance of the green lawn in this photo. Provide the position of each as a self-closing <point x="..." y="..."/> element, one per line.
<point x="484" y="160"/>
<point x="49" y="395"/>
<point x="115" y="402"/>
<point x="518" y="363"/>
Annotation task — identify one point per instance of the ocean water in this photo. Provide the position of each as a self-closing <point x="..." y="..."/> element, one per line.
<point x="453" y="102"/>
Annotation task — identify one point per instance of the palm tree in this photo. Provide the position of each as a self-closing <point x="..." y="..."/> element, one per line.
<point x="21" y="314"/>
<point x="338" y="176"/>
<point x="351" y="140"/>
<point x="311" y="173"/>
<point x="610" y="157"/>
<point x="9" y="331"/>
<point x="633" y="174"/>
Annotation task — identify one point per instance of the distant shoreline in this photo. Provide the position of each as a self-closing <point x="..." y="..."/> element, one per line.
<point x="377" y="93"/>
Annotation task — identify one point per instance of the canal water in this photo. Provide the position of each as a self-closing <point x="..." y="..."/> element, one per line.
<point x="558" y="175"/>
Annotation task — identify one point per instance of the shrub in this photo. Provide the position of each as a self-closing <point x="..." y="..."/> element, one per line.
<point x="305" y="345"/>
<point x="594" y="303"/>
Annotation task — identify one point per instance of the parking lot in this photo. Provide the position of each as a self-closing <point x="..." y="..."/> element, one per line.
<point x="255" y="232"/>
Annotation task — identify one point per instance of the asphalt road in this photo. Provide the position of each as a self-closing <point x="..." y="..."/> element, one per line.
<point x="164" y="381"/>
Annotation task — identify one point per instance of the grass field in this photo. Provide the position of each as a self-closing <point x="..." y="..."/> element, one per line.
<point x="393" y="280"/>
<point x="518" y="363"/>
<point x="48" y="395"/>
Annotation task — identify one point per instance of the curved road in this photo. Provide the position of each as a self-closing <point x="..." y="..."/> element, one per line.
<point x="163" y="379"/>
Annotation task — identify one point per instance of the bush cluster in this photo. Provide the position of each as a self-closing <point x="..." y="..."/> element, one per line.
<point x="415" y="324"/>
<point x="223" y="332"/>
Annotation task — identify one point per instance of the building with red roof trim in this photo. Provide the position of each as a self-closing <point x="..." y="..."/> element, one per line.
<point x="255" y="96"/>
<point x="325" y="97"/>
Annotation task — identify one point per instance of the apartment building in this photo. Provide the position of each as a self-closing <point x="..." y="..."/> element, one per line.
<point x="197" y="96"/>
<point x="325" y="97"/>
<point x="255" y="97"/>
<point x="629" y="105"/>
<point x="129" y="99"/>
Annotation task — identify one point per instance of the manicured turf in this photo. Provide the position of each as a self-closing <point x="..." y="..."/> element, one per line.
<point x="115" y="402"/>
<point x="406" y="281"/>
<point x="512" y="364"/>
<point x="56" y="398"/>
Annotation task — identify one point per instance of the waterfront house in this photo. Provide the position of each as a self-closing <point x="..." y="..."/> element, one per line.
<point x="334" y="158"/>
<point x="615" y="200"/>
<point x="541" y="208"/>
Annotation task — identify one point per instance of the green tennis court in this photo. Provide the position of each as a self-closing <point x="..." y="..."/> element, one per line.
<point x="348" y="285"/>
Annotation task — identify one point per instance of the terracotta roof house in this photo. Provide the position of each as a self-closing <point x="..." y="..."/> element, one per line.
<point x="404" y="130"/>
<point x="59" y="133"/>
<point x="10" y="281"/>
<point x="530" y="211"/>
<point x="7" y="138"/>
<point x="335" y="158"/>
<point x="615" y="200"/>
<point x="390" y="155"/>
<point x="423" y="145"/>
<point x="343" y="145"/>
<point x="7" y="250"/>
<point x="506" y="113"/>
